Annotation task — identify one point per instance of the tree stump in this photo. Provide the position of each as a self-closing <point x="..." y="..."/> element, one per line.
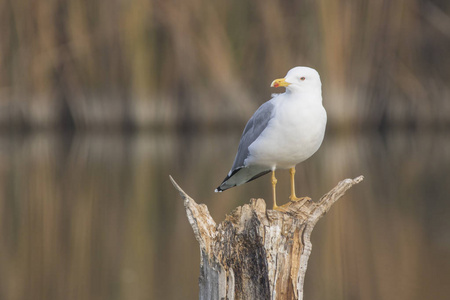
<point x="257" y="253"/>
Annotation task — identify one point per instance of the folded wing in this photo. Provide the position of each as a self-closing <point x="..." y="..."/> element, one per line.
<point x="239" y="173"/>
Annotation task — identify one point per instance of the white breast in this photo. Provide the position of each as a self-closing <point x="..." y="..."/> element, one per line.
<point x="294" y="133"/>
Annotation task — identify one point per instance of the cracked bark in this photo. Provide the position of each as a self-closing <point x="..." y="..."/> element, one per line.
<point x="257" y="253"/>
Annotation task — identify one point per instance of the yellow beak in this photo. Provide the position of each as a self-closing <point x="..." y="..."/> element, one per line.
<point x="279" y="82"/>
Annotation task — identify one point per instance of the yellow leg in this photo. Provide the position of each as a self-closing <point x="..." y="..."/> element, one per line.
<point x="274" y="191"/>
<point x="293" y="197"/>
<point x="292" y="172"/>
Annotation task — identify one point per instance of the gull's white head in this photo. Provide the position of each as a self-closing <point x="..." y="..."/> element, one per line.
<point x="300" y="79"/>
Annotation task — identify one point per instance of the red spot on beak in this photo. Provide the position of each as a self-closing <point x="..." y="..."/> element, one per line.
<point x="276" y="85"/>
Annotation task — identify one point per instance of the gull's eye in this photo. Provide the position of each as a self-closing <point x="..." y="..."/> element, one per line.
<point x="302" y="78"/>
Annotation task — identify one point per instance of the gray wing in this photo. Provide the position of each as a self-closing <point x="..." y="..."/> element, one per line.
<point x="257" y="123"/>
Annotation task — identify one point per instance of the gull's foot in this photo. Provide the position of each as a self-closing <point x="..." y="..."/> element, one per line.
<point x="285" y="207"/>
<point x="302" y="200"/>
<point x="282" y="208"/>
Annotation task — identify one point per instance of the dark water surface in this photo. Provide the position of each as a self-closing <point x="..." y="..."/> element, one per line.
<point x="95" y="216"/>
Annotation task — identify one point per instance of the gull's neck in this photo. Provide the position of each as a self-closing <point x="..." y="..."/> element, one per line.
<point x="308" y="94"/>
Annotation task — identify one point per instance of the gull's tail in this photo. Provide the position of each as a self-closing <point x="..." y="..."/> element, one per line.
<point x="241" y="176"/>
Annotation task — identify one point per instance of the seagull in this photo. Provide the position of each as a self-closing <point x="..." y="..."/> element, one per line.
<point x="284" y="131"/>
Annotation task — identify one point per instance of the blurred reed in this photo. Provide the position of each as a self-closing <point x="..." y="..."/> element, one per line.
<point x="146" y="63"/>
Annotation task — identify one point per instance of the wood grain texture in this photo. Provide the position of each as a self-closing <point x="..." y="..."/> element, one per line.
<point x="257" y="253"/>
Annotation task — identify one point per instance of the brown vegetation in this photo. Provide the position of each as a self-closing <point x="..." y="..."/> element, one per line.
<point x="145" y="63"/>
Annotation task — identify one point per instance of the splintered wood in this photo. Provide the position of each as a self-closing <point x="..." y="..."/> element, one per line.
<point x="257" y="253"/>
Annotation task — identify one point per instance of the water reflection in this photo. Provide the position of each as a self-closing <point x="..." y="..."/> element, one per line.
<point x="95" y="216"/>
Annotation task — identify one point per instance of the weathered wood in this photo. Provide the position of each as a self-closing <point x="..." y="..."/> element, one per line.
<point x="257" y="253"/>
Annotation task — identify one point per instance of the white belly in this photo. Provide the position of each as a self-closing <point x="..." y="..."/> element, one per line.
<point x="292" y="136"/>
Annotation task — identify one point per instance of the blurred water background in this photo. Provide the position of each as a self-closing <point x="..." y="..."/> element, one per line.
<point x="101" y="101"/>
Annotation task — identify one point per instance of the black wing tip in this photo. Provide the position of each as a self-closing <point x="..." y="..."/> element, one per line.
<point x="219" y="189"/>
